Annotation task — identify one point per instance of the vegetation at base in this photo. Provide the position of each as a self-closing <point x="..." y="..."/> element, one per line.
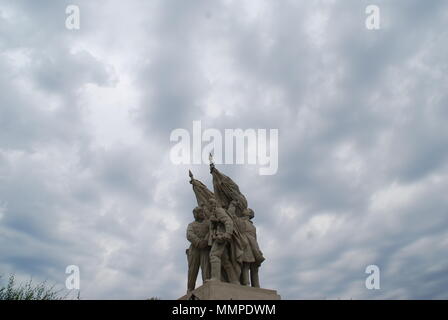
<point x="29" y="291"/>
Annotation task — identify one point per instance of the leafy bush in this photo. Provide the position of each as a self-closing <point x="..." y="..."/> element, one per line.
<point x="29" y="291"/>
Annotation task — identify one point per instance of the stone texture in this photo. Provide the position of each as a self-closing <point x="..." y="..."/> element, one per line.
<point x="217" y="290"/>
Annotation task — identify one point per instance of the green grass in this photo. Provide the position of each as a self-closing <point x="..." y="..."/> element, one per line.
<point x="29" y="291"/>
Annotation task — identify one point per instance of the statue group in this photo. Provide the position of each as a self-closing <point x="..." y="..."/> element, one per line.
<point x="223" y="237"/>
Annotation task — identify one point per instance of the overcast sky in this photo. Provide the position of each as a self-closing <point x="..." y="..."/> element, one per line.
<point x="86" y="115"/>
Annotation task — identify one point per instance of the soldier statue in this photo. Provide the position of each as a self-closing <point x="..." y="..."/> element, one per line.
<point x="223" y="238"/>
<point x="199" y="250"/>
<point x="220" y="240"/>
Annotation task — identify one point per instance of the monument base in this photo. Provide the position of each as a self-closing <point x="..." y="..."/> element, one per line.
<point x="217" y="290"/>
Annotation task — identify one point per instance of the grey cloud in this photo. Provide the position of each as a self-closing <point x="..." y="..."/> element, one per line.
<point x="362" y="154"/>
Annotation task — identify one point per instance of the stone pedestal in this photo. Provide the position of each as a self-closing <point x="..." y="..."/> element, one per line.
<point x="217" y="290"/>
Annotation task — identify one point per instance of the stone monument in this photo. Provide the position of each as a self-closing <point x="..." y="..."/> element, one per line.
<point x="223" y="244"/>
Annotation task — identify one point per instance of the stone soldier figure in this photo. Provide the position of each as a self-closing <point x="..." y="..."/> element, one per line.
<point x="199" y="250"/>
<point x="250" y="232"/>
<point x="220" y="237"/>
<point x="248" y="254"/>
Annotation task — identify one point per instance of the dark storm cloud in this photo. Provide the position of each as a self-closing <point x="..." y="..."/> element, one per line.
<point x="362" y="141"/>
